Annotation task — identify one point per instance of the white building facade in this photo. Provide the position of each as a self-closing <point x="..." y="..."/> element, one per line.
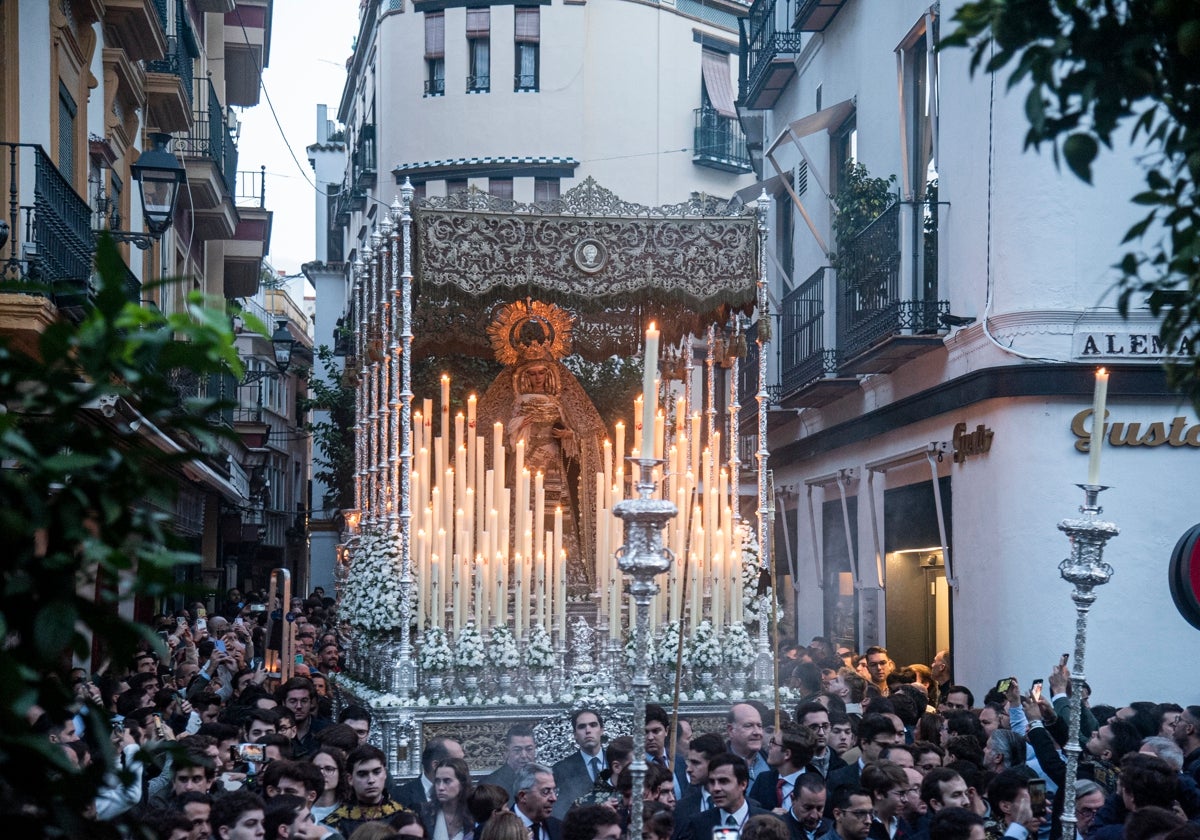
<point x="954" y="337"/>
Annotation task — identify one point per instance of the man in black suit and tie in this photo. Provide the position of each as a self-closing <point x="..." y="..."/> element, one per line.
<point x="576" y="774"/>
<point x="519" y="752"/>
<point x="536" y="795"/>
<point x="701" y="750"/>
<point x="788" y="755"/>
<point x="874" y="733"/>
<point x="414" y="793"/>
<point x="816" y="717"/>
<point x="727" y="781"/>
<point x="806" y="818"/>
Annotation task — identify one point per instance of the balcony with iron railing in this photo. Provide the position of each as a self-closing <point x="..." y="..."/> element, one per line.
<point x="769" y="46"/>
<point x="887" y="314"/>
<point x="718" y="142"/>
<point x="363" y="163"/>
<point x="210" y="155"/>
<point x="808" y="365"/>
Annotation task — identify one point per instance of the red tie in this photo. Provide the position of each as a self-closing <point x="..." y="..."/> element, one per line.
<point x="779" y="792"/>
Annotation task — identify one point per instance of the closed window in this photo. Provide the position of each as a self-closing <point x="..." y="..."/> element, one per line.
<point x="501" y="187"/>
<point x="435" y="53"/>
<point x="479" y="50"/>
<point x="527" y="34"/>
<point x="67" y="111"/>
<point x="545" y="189"/>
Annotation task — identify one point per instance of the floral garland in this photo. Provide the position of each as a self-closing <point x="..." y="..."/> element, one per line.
<point x="468" y="648"/>
<point x="435" y="654"/>
<point x="539" y="652"/>
<point x="739" y="647"/>
<point x="704" y="650"/>
<point x="502" y="648"/>
<point x="371" y="596"/>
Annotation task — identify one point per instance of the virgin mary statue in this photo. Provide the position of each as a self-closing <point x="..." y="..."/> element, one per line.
<point x="540" y="402"/>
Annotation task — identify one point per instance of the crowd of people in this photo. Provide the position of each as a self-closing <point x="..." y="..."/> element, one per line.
<point x="210" y="748"/>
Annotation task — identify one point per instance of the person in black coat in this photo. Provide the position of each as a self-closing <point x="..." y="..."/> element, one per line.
<point x="536" y="795"/>
<point x="728" y="778"/>
<point x="805" y="819"/>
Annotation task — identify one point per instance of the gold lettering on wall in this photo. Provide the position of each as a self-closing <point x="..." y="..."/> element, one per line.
<point x="1176" y="433"/>
<point x="967" y="443"/>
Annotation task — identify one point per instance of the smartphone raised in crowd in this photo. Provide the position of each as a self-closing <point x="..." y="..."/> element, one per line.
<point x="220" y="645"/>
<point x="1037" y="797"/>
<point x="1035" y="690"/>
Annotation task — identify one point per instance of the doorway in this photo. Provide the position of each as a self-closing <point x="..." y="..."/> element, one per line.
<point x="918" y="605"/>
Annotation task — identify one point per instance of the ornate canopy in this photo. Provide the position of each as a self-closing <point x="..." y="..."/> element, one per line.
<point x="613" y="264"/>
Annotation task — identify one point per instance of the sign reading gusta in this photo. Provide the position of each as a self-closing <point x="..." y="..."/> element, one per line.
<point x="1129" y="345"/>
<point x="1179" y="431"/>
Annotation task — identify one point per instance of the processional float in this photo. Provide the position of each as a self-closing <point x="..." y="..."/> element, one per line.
<point x="508" y="555"/>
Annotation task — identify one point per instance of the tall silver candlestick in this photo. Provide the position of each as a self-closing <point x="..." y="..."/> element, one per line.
<point x="404" y="674"/>
<point x="642" y="558"/>
<point x="1085" y="569"/>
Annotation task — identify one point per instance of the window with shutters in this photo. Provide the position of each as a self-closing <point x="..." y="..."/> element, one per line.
<point x="67" y="111"/>
<point x="435" y="53"/>
<point x="501" y="187"/>
<point x="479" y="50"/>
<point x="527" y="34"/>
<point x="718" y="140"/>
<point x="545" y="189"/>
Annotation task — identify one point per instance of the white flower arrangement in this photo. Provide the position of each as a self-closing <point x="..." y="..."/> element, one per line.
<point x="371" y="595"/>
<point x="369" y="697"/>
<point x="667" y="647"/>
<point x="739" y="647"/>
<point x="631" y="649"/>
<point x="435" y="655"/>
<point x="539" y="652"/>
<point x="468" y="648"/>
<point x="752" y="602"/>
<point x="703" y="650"/>
<point x="502" y="648"/>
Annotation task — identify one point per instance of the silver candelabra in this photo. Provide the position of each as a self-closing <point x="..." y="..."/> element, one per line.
<point x="1084" y="569"/>
<point x="642" y="558"/>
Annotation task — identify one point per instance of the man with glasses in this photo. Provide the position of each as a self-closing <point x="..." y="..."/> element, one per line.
<point x="874" y="733"/>
<point x="520" y="751"/>
<point x="1089" y="799"/>
<point x="535" y="798"/>
<point x="815" y="717"/>
<point x="888" y="785"/>
<point x="1186" y="734"/>
<point x="878" y="667"/>
<point x="928" y="756"/>
<point x="852" y="814"/>
<point x="913" y="809"/>
<point x="789" y="752"/>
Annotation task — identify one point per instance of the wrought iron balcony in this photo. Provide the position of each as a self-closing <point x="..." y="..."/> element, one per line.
<point x="435" y="87"/>
<point x="362" y="159"/>
<point x="809" y="365"/>
<point x="50" y="240"/>
<point x="479" y="84"/>
<point x="211" y="139"/>
<point x="525" y="82"/>
<point x="873" y="303"/>
<point x="769" y="46"/>
<point x="177" y="62"/>
<point x="719" y="142"/>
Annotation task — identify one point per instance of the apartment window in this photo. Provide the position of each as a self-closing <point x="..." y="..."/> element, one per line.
<point x="843" y="151"/>
<point x="501" y="187"/>
<point x="527" y="34"/>
<point x="435" y="53"/>
<point x="918" y="107"/>
<point x="419" y="191"/>
<point x="67" y="110"/>
<point x="456" y="185"/>
<point x="479" y="50"/>
<point x="545" y="189"/>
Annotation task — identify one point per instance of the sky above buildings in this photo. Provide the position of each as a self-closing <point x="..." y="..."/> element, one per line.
<point x="310" y="42"/>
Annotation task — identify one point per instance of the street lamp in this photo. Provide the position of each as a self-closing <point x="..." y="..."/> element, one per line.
<point x="282" y="345"/>
<point x="158" y="174"/>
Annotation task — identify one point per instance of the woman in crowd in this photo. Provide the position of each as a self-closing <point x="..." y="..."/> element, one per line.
<point x="446" y="817"/>
<point x="332" y="763"/>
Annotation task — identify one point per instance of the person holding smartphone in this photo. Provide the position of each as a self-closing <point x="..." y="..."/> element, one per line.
<point x="1012" y="810"/>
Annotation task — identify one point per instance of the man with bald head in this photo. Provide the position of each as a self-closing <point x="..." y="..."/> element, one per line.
<point x="744" y="734"/>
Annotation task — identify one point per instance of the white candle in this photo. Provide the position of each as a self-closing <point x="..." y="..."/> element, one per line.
<point x="1097" y="442"/>
<point x="650" y="385"/>
<point x="619" y="464"/>
<point x="436" y="612"/>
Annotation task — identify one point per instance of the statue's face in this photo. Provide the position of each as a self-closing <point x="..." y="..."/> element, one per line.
<point x="536" y="377"/>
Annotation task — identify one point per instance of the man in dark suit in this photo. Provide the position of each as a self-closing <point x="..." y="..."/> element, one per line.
<point x="874" y="733"/>
<point x="888" y="785"/>
<point x="701" y="750"/>
<point x="576" y="774"/>
<point x="536" y="795"/>
<point x="519" y="752"/>
<point x="806" y="818"/>
<point x="727" y="781"/>
<point x="788" y="755"/>
<point x="414" y="793"/>
<point x="816" y="717"/>
<point x="852" y="814"/>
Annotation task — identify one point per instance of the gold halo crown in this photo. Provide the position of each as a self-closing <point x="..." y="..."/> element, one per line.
<point x="529" y="331"/>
